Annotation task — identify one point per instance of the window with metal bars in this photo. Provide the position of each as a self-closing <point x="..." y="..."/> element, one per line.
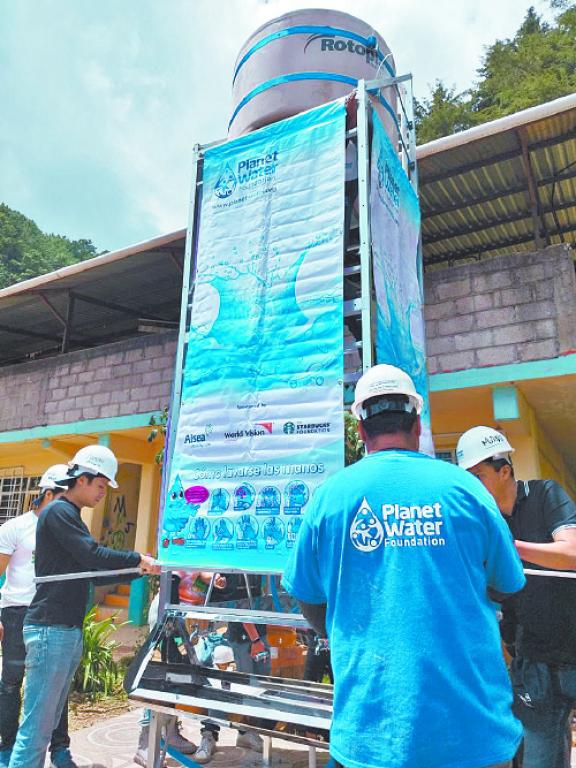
<point x="447" y="455"/>
<point x="16" y="492"/>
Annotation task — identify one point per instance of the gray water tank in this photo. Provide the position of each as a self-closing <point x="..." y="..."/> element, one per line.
<point x="303" y="59"/>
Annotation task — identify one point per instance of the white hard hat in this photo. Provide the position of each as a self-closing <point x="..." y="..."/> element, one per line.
<point x="53" y="477"/>
<point x="479" y="444"/>
<point x="385" y="380"/>
<point x="222" y="654"/>
<point x="95" y="460"/>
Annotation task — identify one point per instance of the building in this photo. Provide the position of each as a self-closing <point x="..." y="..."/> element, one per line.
<point x="87" y="352"/>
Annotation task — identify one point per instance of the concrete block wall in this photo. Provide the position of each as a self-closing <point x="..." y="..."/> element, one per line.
<point x="508" y="309"/>
<point x="121" y="379"/>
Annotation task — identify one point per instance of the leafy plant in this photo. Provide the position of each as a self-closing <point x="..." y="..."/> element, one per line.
<point x="353" y="446"/>
<point x="159" y="427"/>
<point x="98" y="673"/>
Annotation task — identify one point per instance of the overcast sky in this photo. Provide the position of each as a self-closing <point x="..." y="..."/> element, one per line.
<point x="101" y="102"/>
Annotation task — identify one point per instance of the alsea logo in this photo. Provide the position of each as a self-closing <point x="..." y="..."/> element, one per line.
<point x="226" y="184"/>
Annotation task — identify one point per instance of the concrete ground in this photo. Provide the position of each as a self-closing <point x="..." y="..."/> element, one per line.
<point x="112" y="744"/>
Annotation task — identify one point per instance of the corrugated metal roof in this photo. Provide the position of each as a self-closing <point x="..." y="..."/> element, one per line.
<point x="107" y="296"/>
<point x="475" y="186"/>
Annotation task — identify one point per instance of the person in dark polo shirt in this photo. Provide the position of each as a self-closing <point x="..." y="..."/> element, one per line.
<point x="540" y="620"/>
<point x="53" y="623"/>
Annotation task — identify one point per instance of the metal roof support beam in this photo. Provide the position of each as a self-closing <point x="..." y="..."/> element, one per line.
<point x="31" y="334"/>
<point x="469" y="253"/>
<point x="175" y="261"/>
<point x="471" y="229"/>
<point x="68" y="324"/>
<point x="537" y="221"/>
<point x="52" y="308"/>
<point x="115" y="307"/>
<point x="509" y="191"/>
<point x="511" y="154"/>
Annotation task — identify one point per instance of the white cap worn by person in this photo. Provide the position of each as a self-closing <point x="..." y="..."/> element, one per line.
<point x="481" y="443"/>
<point x="382" y="380"/>
<point x="94" y="460"/>
<point x="222" y="654"/>
<point x="52" y="478"/>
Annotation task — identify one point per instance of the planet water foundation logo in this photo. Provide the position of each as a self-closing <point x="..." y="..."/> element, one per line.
<point x="244" y="173"/>
<point x="226" y="184"/>
<point x="366" y="531"/>
<point x="418" y="525"/>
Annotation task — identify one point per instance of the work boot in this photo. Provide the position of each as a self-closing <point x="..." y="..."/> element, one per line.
<point x="141" y="756"/>
<point x="249" y="740"/>
<point x="175" y="739"/>
<point x="206" y="748"/>
<point x="61" y="758"/>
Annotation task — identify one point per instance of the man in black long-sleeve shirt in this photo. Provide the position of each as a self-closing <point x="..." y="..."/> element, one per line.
<point x="53" y="623"/>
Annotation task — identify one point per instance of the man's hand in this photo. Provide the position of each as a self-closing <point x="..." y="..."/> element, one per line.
<point x="1" y="631"/>
<point x="220" y="581"/>
<point x="149" y="565"/>
<point x="258" y="650"/>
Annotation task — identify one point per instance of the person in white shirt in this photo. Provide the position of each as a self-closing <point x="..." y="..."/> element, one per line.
<point x="17" y="545"/>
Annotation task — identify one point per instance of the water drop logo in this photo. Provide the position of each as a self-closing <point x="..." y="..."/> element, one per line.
<point x="226" y="184"/>
<point x="366" y="531"/>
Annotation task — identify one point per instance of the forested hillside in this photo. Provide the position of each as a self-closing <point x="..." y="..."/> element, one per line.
<point x="26" y="251"/>
<point x="537" y="65"/>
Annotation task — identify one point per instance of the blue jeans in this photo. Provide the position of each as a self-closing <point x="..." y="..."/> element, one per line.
<point x="52" y="656"/>
<point x="547" y="738"/>
<point x="13" y="657"/>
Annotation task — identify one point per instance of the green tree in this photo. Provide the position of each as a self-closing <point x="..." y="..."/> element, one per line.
<point x="535" y="66"/>
<point x="26" y="251"/>
<point x="443" y="113"/>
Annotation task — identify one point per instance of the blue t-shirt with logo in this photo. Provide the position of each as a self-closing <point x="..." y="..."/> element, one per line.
<point x="402" y="548"/>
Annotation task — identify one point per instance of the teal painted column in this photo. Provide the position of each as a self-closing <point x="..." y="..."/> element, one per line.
<point x="138" y="603"/>
<point x="505" y="403"/>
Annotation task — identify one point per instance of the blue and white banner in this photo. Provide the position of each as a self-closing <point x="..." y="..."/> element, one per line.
<point x="261" y="418"/>
<point x="395" y="225"/>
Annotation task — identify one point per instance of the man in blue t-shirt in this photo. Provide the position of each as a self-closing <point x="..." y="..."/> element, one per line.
<point x="395" y="561"/>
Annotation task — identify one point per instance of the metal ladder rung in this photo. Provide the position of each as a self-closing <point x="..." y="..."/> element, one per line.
<point x="355" y="270"/>
<point x="350" y="348"/>
<point x="352" y="307"/>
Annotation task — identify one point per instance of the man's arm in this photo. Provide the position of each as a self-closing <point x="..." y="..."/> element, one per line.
<point x="315" y="615"/>
<point x="498" y="597"/>
<point x="4" y="561"/>
<point x="74" y="536"/>
<point x="558" y="555"/>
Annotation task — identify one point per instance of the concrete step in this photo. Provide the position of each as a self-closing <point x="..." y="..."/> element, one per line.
<point x="123" y="589"/>
<point x="108" y="611"/>
<point x="116" y="601"/>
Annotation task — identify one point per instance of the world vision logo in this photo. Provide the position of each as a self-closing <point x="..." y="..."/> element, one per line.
<point x="333" y="44"/>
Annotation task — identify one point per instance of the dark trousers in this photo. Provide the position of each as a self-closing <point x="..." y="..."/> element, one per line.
<point x="317" y="664"/>
<point x="13" y="656"/>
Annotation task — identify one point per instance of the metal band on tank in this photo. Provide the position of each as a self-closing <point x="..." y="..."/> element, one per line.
<point x="368" y="42"/>
<point x="307" y="76"/>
